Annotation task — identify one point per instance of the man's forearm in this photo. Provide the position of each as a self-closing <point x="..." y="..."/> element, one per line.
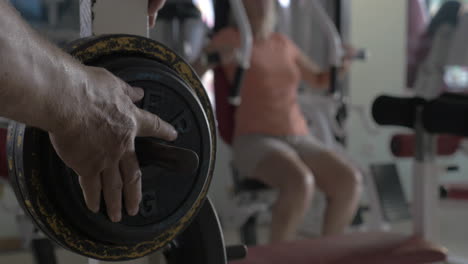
<point x="34" y="74"/>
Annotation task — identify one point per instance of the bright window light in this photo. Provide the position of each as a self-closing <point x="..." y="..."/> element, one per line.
<point x="456" y="77"/>
<point x="284" y="3"/>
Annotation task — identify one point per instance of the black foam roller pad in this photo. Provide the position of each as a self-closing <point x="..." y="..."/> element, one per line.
<point x="447" y="114"/>
<point x="396" y="111"/>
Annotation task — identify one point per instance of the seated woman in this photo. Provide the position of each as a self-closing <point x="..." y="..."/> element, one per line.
<point x="272" y="143"/>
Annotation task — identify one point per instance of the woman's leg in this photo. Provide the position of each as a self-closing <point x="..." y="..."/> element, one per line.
<point x="275" y="163"/>
<point x="340" y="182"/>
<point x="286" y="172"/>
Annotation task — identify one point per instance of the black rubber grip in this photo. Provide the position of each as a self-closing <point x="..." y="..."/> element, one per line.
<point x="361" y="55"/>
<point x="237" y="84"/>
<point x="453" y="168"/>
<point x="213" y="58"/>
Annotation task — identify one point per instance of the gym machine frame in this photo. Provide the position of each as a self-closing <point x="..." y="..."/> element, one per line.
<point x="425" y="186"/>
<point x="96" y="19"/>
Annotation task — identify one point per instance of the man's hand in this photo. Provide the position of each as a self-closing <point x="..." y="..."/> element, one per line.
<point x="97" y="140"/>
<point x="153" y="8"/>
<point x="87" y="111"/>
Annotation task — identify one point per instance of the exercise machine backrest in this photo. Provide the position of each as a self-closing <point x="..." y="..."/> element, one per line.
<point x="456" y="70"/>
<point x="446" y="15"/>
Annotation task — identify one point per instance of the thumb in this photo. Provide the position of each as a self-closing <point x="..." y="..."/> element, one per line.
<point x="154" y="6"/>
<point x="152" y="20"/>
<point x="150" y="125"/>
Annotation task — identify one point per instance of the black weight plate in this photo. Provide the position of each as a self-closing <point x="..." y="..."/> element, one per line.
<point x="50" y="191"/>
<point x="201" y="242"/>
<point x="10" y="144"/>
<point x="10" y="153"/>
<point x="166" y="195"/>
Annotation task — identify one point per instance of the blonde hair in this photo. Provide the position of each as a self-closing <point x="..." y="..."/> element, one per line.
<point x="271" y="20"/>
<point x="272" y="17"/>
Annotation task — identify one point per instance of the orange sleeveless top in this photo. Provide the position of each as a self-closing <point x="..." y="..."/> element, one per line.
<point x="269" y="93"/>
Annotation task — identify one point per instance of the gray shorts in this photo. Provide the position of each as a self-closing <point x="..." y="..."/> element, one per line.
<point x="249" y="150"/>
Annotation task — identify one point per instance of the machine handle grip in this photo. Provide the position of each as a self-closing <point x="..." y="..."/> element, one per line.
<point x="151" y="152"/>
<point x="246" y="36"/>
<point x="361" y="55"/>
<point x="234" y="96"/>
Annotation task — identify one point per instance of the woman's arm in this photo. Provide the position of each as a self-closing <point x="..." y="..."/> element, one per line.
<point x="220" y="50"/>
<point x="203" y="64"/>
<point x="311" y="72"/>
<point x="213" y="56"/>
<point x="316" y="77"/>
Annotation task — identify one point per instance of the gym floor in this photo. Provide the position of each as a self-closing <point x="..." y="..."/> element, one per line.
<point x="453" y="237"/>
